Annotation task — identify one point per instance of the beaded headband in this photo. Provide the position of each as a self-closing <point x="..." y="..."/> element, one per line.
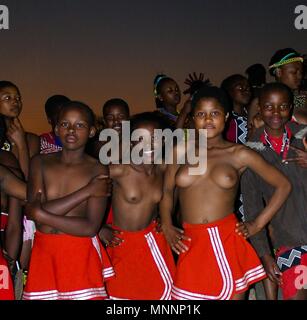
<point x="286" y="60"/>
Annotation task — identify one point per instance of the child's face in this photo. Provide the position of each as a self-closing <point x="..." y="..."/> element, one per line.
<point x="240" y="92"/>
<point x="149" y="142"/>
<point x="10" y="102"/>
<point x="209" y="114"/>
<point x="114" y="116"/>
<point x="275" y="108"/>
<point x="291" y="75"/>
<point x="170" y="93"/>
<point x="73" y="129"/>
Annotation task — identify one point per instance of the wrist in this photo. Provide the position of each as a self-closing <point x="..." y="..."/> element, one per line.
<point x="87" y="190"/>
<point x="21" y="143"/>
<point x="185" y="111"/>
<point x="165" y="226"/>
<point x="40" y="216"/>
<point x="266" y="257"/>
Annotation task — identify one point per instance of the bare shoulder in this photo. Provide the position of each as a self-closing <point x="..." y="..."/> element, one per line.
<point x="242" y="152"/>
<point x="45" y="159"/>
<point x="96" y="166"/>
<point x="248" y="158"/>
<point x="32" y="137"/>
<point x="162" y="167"/>
<point x="116" y="170"/>
<point x="33" y="142"/>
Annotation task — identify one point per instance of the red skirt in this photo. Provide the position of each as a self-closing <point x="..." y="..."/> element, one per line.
<point x="218" y="264"/>
<point x="6" y="283"/>
<point x="144" y="266"/>
<point x="3" y="220"/>
<point x="65" y="267"/>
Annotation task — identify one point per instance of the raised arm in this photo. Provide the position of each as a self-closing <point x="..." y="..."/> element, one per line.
<point x="184" y="114"/>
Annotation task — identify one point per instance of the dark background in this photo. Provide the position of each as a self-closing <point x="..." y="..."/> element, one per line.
<point x="93" y="50"/>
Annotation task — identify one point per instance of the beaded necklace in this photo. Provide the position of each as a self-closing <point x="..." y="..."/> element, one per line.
<point x="269" y="140"/>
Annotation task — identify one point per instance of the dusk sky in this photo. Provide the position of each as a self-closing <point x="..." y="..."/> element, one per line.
<point x="94" y="50"/>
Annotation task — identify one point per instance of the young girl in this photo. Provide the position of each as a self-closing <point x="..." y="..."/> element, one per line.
<point x="67" y="196"/>
<point x="278" y="142"/>
<point x="167" y="97"/>
<point x="215" y="263"/>
<point x="238" y="89"/>
<point x="49" y="142"/>
<point x="114" y="112"/>
<point x="10" y="246"/>
<point x="239" y="92"/>
<point x="286" y="66"/>
<point x="22" y="144"/>
<point x="141" y="257"/>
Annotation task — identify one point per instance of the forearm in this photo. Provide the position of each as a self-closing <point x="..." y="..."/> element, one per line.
<point x="181" y="120"/>
<point x="13" y="240"/>
<point x="24" y="159"/>
<point x="274" y="204"/>
<point x="13" y="231"/>
<point x="76" y="226"/>
<point x="166" y="208"/>
<point x="65" y="204"/>
<point x="12" y="185"/>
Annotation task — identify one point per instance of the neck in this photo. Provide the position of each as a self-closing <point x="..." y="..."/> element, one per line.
<point x="170" y="109"/>
<point x="72" y="156"/>
<point x="275" y="132"/>
<point x="8" y="121"/>
<point x="238" y="108"/>
<point x="214" y="142"/>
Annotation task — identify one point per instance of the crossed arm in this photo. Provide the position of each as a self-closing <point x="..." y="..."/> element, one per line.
<point x="52" y="213"/>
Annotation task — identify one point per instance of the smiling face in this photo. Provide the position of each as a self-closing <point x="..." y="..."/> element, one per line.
<point x="275" y="110"/>
<point x="73" y="128"/>
<point x="169" y="93"/>
<point x="151" y="145"/>
<point x="291" y="75"/>
<point x="209" y="114"/>
<point x="113" y="116"/>
<point x="10" y="102"/>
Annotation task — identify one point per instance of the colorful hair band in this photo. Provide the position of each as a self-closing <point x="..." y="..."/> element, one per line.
<point x="286" y="60"/>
